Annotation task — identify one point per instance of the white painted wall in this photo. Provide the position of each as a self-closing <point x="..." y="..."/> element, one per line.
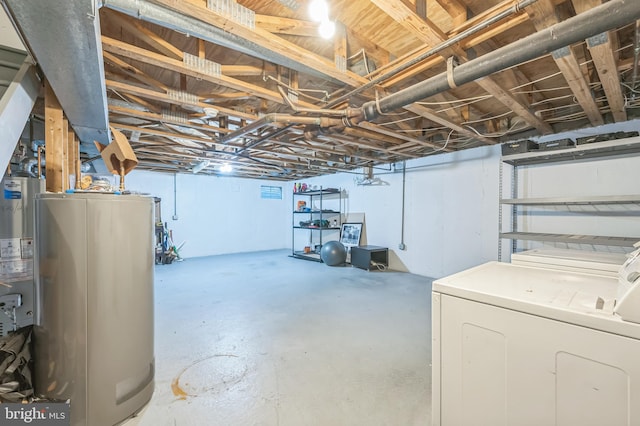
<point x="451" y="207"/>
<point x="451" y="211"/>
<point x="598" y="177"/>
<point x="218" y="215"/>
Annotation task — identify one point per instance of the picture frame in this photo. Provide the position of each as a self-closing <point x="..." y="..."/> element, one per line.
<point x="350" y="234"/>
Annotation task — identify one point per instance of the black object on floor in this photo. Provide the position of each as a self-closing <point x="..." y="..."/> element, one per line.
<point x="370" y="257"/>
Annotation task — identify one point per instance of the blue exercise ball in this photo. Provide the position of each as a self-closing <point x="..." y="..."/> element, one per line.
<point x="333" y="253"/>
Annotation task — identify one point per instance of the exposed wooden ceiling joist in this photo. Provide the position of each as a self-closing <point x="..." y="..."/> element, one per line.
<point x="602" y="49"/>
<point x="433" y="36"/>
<point x="543" y="15"/>
<point x="146" y="67"/>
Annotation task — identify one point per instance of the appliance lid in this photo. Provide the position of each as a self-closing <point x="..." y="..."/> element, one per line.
<point x="577" y="298"/>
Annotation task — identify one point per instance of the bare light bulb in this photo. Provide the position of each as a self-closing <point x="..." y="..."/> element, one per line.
<point x="327" y="29"/>
<point x="226" y="168"/>
<point x="319" y="10"/>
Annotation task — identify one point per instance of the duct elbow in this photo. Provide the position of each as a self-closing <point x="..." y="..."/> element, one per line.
<point x="29" y="166"/>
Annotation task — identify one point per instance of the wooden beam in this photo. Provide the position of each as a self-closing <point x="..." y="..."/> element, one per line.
<point x="421" y="8"/>
<point x="296" y="27"/>
<point x="501" y="7"/>
<point x="340" y="47"/>
<point x="455" y="9"/>
<point x="138" y="100"/>
<point x="508" y="77"/>
<point x="316" y="147"/>
<point x="430" y="34"/>
<point x="133" y="52"/>
<point x="163" y="97"/>
<point x="507" y="99"/>
<point x="287" y="26"/>
<point x="152" y="58"/>
<point x="135" y="28"/>
<point x="152" y="117"/>
<point x="471" y="41"/>
<point x="265" y="39"/>
<point x="132" y="71"/>
<point x="202" y="52"/>
<point x="54" y="141"/>
<point x="451" y="114"/>
<point x="602" y="49"/>
<point x="542" y="14"/>
<point x="431" y="115"/>
<point x="380" y="129"/>
<point x="380" y="56"/>
<point x="424" y="29"/>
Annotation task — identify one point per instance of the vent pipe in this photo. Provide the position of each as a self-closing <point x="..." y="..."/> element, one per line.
<point x="613" y="14"/>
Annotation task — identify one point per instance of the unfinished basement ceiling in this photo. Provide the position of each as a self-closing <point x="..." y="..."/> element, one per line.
<point x="191" y="85"/>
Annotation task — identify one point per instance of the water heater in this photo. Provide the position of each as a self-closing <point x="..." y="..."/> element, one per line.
<point x="93" y="331"/>
<point x="16" y="251"/>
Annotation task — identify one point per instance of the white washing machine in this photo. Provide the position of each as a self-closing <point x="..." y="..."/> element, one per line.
<point x="516" y="345"/>
<point x="592" y="262"/>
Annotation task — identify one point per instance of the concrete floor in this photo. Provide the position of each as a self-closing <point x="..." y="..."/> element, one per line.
<point x="265" y="339"/>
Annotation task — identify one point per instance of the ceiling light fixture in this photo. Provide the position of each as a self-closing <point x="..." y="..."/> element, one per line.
<point x="226" y="168"/>
<point x="319" y="10"/>
<point x="327" y="29"/>
<point x="200" y="166"/>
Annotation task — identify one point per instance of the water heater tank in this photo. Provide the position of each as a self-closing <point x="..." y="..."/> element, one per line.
<point x="93" y="332"/>
<point x="17" y="251"/>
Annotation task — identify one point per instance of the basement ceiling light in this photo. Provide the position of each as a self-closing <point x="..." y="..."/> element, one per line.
<point x="327" y="29"/>
<point x="319" y="10"/>
<point x="200" y="166"/>
<point x="226" y="168"/>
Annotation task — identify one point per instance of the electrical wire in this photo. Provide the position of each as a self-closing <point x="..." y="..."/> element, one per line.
<point x="300" y="91"/>
<point x="511" y="129"/>
<point x="445" y="144"/>
<point x="483" y="97"/>
<point x="480" y="120"/>
<point x="528" y="92"/>
<point x="379" y="266"/>
<point x="364" y="60"/>
<point x="386" y="123"/>
<point x="547" y="100"/>
<point x="630" y="88"/>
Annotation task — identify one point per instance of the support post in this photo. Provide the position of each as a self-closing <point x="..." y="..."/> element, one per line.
<point x="53" y="140"/>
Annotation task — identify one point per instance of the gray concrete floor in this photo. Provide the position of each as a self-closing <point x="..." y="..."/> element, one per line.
<point x="265" y="339"/>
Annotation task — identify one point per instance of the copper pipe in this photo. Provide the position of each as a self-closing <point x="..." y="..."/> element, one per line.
<point x="77" y="167"/>
<point x="122" y="177"/>
<point x="39" y="150"/>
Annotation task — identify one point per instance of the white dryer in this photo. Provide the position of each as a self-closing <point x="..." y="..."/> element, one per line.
<point x="516" y="345"/>
<point x="593" y="262"/>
